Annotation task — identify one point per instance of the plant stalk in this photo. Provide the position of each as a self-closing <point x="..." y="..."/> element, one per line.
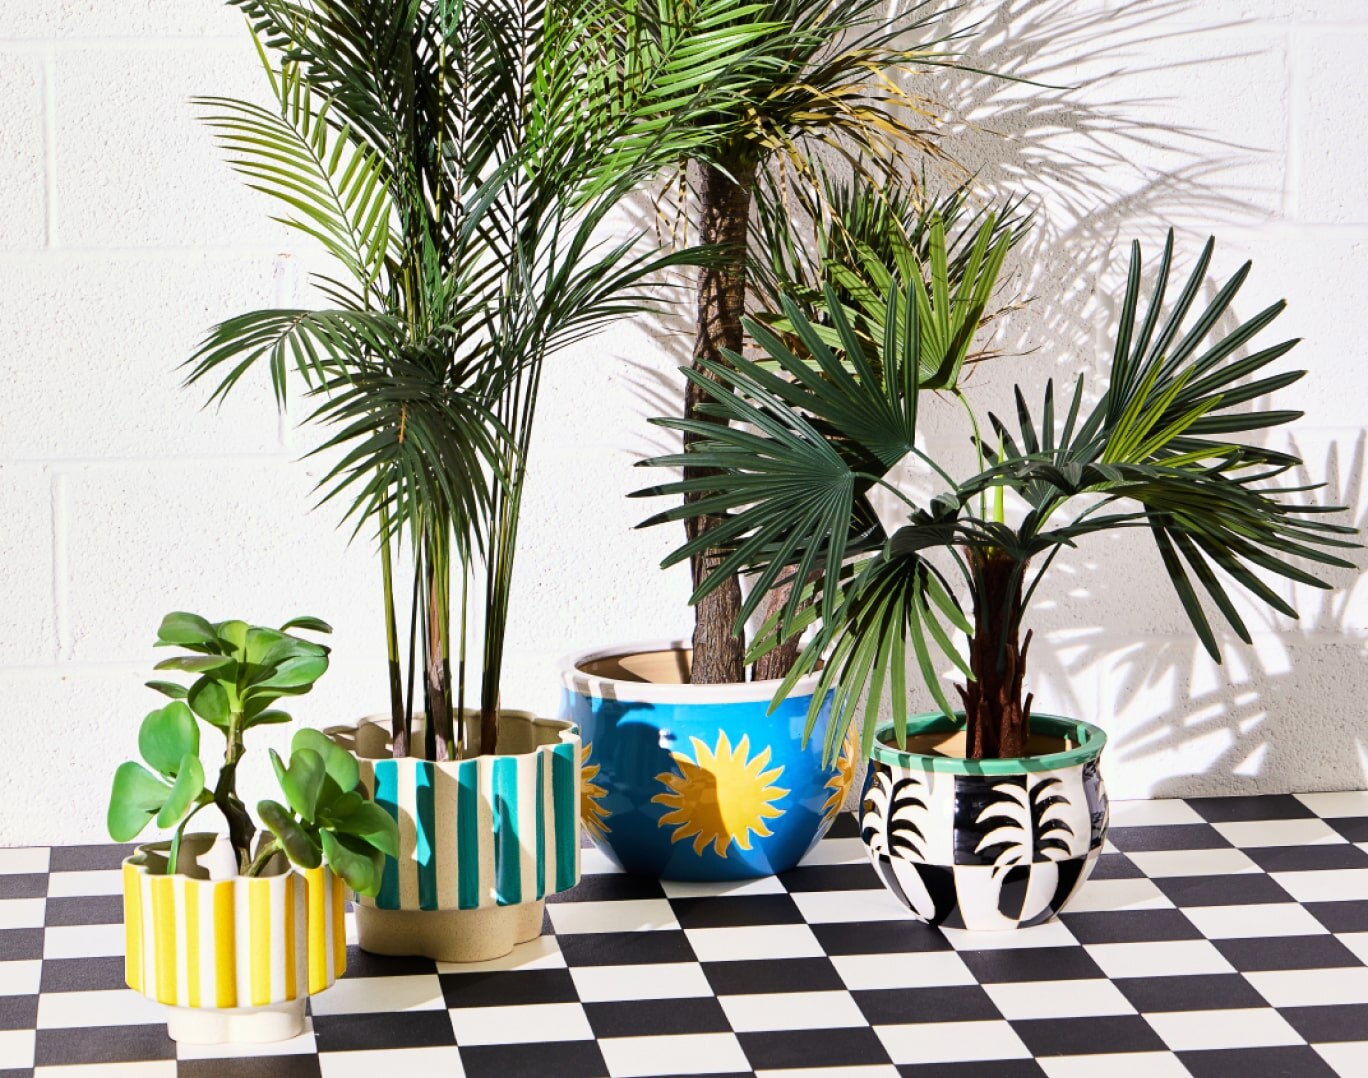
<point x="997" y="719"/>
<point x="240" y="826"/>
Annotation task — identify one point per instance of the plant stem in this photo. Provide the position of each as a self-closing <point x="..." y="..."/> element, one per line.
<point x="240" y="826"/>
<point x="719" y="649"/>
<point x="263" y="857"/>
<point x="996" y="717"/>
<point x="398" y="728"/>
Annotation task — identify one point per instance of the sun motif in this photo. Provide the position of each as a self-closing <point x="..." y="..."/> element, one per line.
<point x="594" y="815"/>
<point x="839" y="783"/>
<point x="721" y="796"/>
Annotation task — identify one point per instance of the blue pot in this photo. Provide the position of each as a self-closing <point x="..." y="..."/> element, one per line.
<point x="698" y="782"/>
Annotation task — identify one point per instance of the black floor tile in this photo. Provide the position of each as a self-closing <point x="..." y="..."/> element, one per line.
<point x="879" y="937"/>
<point x="1234" y="889"/>
<point x="18" y="1012"/>
<point x="988" y="1068"/>
<point x="1354" y="828"/>
<point x="1325" y="1025"/>
<point x="23" y="885"/>
<point x="625" y="948"/>
<point x="289" y="1066"/>
<point x="508" y="988"/>
<point x="102" y="1044"/>
<point x="1032" y="964"/>
<point x="858" y="877"/>
<point x="1084" y="1036"/>
<point x="844" y="826"/>
<point x="1201" y="992"/>
<point x="364" y="964"/>
<point x="735" y="911"/>
<point x="1294" y="1061"/>
<point x="610" y="887"/>
<point x="1130" y="926"/>
<point x="1287" y="952"/>
<point x="772" y="975"/>
<point x="1340" y="916"/>
<point x="852" y="1047"/>
<point x="1308" y="858"/>
<point x="1243" y="809"/>
<point x="20" y="944"/>
<point x="1115" y="866"/>
<point x="1184" y="836"/>
<point x="563" y="1059"/>
<point x="83" y="974"/>
<point x="656" y="1017"/>
<point x="950" y="1003"/>
<point x="403" y="1029"/>
<point x="82" y="858"/>
<point x="86" y="910"/>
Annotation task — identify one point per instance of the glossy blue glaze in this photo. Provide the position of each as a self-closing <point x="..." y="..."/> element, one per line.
<point x="633" y="745"/>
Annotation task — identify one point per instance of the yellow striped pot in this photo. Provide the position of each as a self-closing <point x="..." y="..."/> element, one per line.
<point x="233" y="958"/>
<point x="482" y="840"/>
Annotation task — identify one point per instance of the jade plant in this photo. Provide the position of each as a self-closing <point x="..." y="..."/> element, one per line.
<point x="802" y="436"/>
<point x="239" y="672"/>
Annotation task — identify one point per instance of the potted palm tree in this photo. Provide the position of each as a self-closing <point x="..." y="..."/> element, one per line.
<point x="458" y="162"/>
<point x="986" y="814"/>
<point x="234" y="932"/>
<point x="664" y="722"/>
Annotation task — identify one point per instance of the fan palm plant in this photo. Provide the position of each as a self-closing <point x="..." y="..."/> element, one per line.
<point x="457" y="159"/>
<point x="800" y="440"/>
<point x="819" y="79"/>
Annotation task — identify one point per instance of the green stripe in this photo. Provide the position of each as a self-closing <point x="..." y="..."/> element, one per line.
<point x="507" y="848"/>
<point x="541" y="824"/>
<point x="1086" y="742"/>
<point x="425" y="839"/>
<point x="468" y="835"/>
<point x="564" y="787"/>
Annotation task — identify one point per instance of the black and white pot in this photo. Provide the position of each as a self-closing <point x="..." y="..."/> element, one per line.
<point x="985" y="844"/>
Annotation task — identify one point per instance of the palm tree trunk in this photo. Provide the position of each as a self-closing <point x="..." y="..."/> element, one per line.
<point x="725" y="204"/>
<point x="997" y="719"/>
<point x="777" y="663"/>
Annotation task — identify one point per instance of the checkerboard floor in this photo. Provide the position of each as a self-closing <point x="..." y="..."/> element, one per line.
<point x="1218" y="937"/>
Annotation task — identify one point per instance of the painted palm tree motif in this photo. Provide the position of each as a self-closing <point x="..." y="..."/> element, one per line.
<point x="895" y="820"/>
<point x="721" y="796"/>
<point x="1021" y="827"/>
<point x="592" y="812"/>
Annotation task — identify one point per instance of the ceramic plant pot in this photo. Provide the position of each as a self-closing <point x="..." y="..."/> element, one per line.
<point x="233" y="958"/>
<point x="482" y="841"/>
<point x="985" y="844"/>
<point x="698" y="782"/>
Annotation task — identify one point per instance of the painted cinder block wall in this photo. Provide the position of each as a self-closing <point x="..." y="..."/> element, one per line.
<point x="123" y="236"/>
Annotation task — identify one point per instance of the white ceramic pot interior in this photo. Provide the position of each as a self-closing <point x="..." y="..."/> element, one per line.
<point x="657" y="672"/>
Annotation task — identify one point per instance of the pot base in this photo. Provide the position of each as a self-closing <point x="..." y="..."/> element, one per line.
<point x="449" y="935"/>
<point x="241" y="1025"/>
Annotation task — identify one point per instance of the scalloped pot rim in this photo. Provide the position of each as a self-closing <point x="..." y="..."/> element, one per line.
<point x="1091" y="741"/>
<point x="598" y="687"/>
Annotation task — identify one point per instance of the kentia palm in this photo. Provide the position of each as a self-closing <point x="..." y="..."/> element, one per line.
<point x="457" y="160"/>
<point x="999" y="842"/>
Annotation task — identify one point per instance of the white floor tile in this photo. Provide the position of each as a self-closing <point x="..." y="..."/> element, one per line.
<point x="372" y="995"/>
<point x="530" y="1024"/>
<point x="84" y="941"/>
<point x="20" y="978"/>
<point x="80" y="884"/>
<point x="873" y="1071"/>
<point x="1115" y="1065"/>
<point x="1328" y="885"/>
<point x="162" y="1068"/>
<point x="1153" y="813"/>
<point x="635" y="915"/>
<point x="1105" y="896"/>
<point x="1358" y="943"/>
<point x="1050" y="934"/>
<point x="1162" y="864"/>
<point x="1170" y="958"/>
<point x="114" y="1007"/>
<point x="768" y="885"/>
<point x="699" y="1053"/>
<point x="951" y="1042"/>
<point x="838" y="851"/>
<point x="924" y="969"/>
<point x="833" y="907"/>
<point x="754" y="942"/>
<point x="1253" y="921"/>
<point x="1312" y="987"/>
<point x="1253" y="834"/>
<point x="22" y="912"/>
<point x="1337" y="805"/>
<point x="791" y="1010"/>
<point x="1349" y="1059"/>
<point x="1058" y="999"/>
<point x="594" y="862"/>
<point x="668" y="980"/>
<point x="23" y="860"/>
<point x="304" y="1044"/>
<point x="1194" y="1031"/>
<point x="408" y="1061"/>
<point x="16" y="1048"/>
<point x="540" y="953"/>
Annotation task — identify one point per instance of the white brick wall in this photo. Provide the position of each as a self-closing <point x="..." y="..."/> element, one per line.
<point x="122" y="237"/>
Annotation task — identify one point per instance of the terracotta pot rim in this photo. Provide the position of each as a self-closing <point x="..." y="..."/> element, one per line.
<point x="599" y="687"/>
<point x="1091" y="741"/>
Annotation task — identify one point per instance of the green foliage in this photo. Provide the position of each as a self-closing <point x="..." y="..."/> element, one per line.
<point x="239" y="670"/>
<point x="1160" y="450"/>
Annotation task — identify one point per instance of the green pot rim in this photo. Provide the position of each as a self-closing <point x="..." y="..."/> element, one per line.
<point x="1091" y="742"/>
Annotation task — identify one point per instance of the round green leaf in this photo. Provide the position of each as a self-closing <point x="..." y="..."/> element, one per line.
<point x="200" y="664"/>
<point x="299" y="847"/>
<point x="302" y="781"/>
<point x="233" y="634"/>
<point x="260" y="643"/>
<point x="335" y="805"/>
<point x="186" y="630"/>
<point x="137" y="796"/>
<point x="293" y="673"/>
<point x="338" y="762"/>
<point x="189" y="785"/>
<point x="168" y="736"/>
<point x="209" y="700"/>
<point x="358" y="864"/>
<point x="169" y="688"/>
<point x="264" y="718"/>
<point x="317" y="625"/>
<point x="374" y="825"/>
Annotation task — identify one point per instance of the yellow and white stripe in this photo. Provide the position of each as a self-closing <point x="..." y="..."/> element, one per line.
<point x="240" y="942"/>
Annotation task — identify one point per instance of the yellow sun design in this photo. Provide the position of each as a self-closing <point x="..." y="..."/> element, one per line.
<point x="721" y="796"/>
<point x="839" y="783"/>
<point x="595" y="816"/>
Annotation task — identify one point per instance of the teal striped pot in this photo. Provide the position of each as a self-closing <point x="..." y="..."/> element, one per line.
<point x="482" y="841"/>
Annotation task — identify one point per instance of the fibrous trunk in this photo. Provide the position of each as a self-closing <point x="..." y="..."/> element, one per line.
<point x="725" y="203"/>
<point x="997" y="719"/>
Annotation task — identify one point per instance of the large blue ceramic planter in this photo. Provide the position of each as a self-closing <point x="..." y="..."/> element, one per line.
<point x="688" y="782"/>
